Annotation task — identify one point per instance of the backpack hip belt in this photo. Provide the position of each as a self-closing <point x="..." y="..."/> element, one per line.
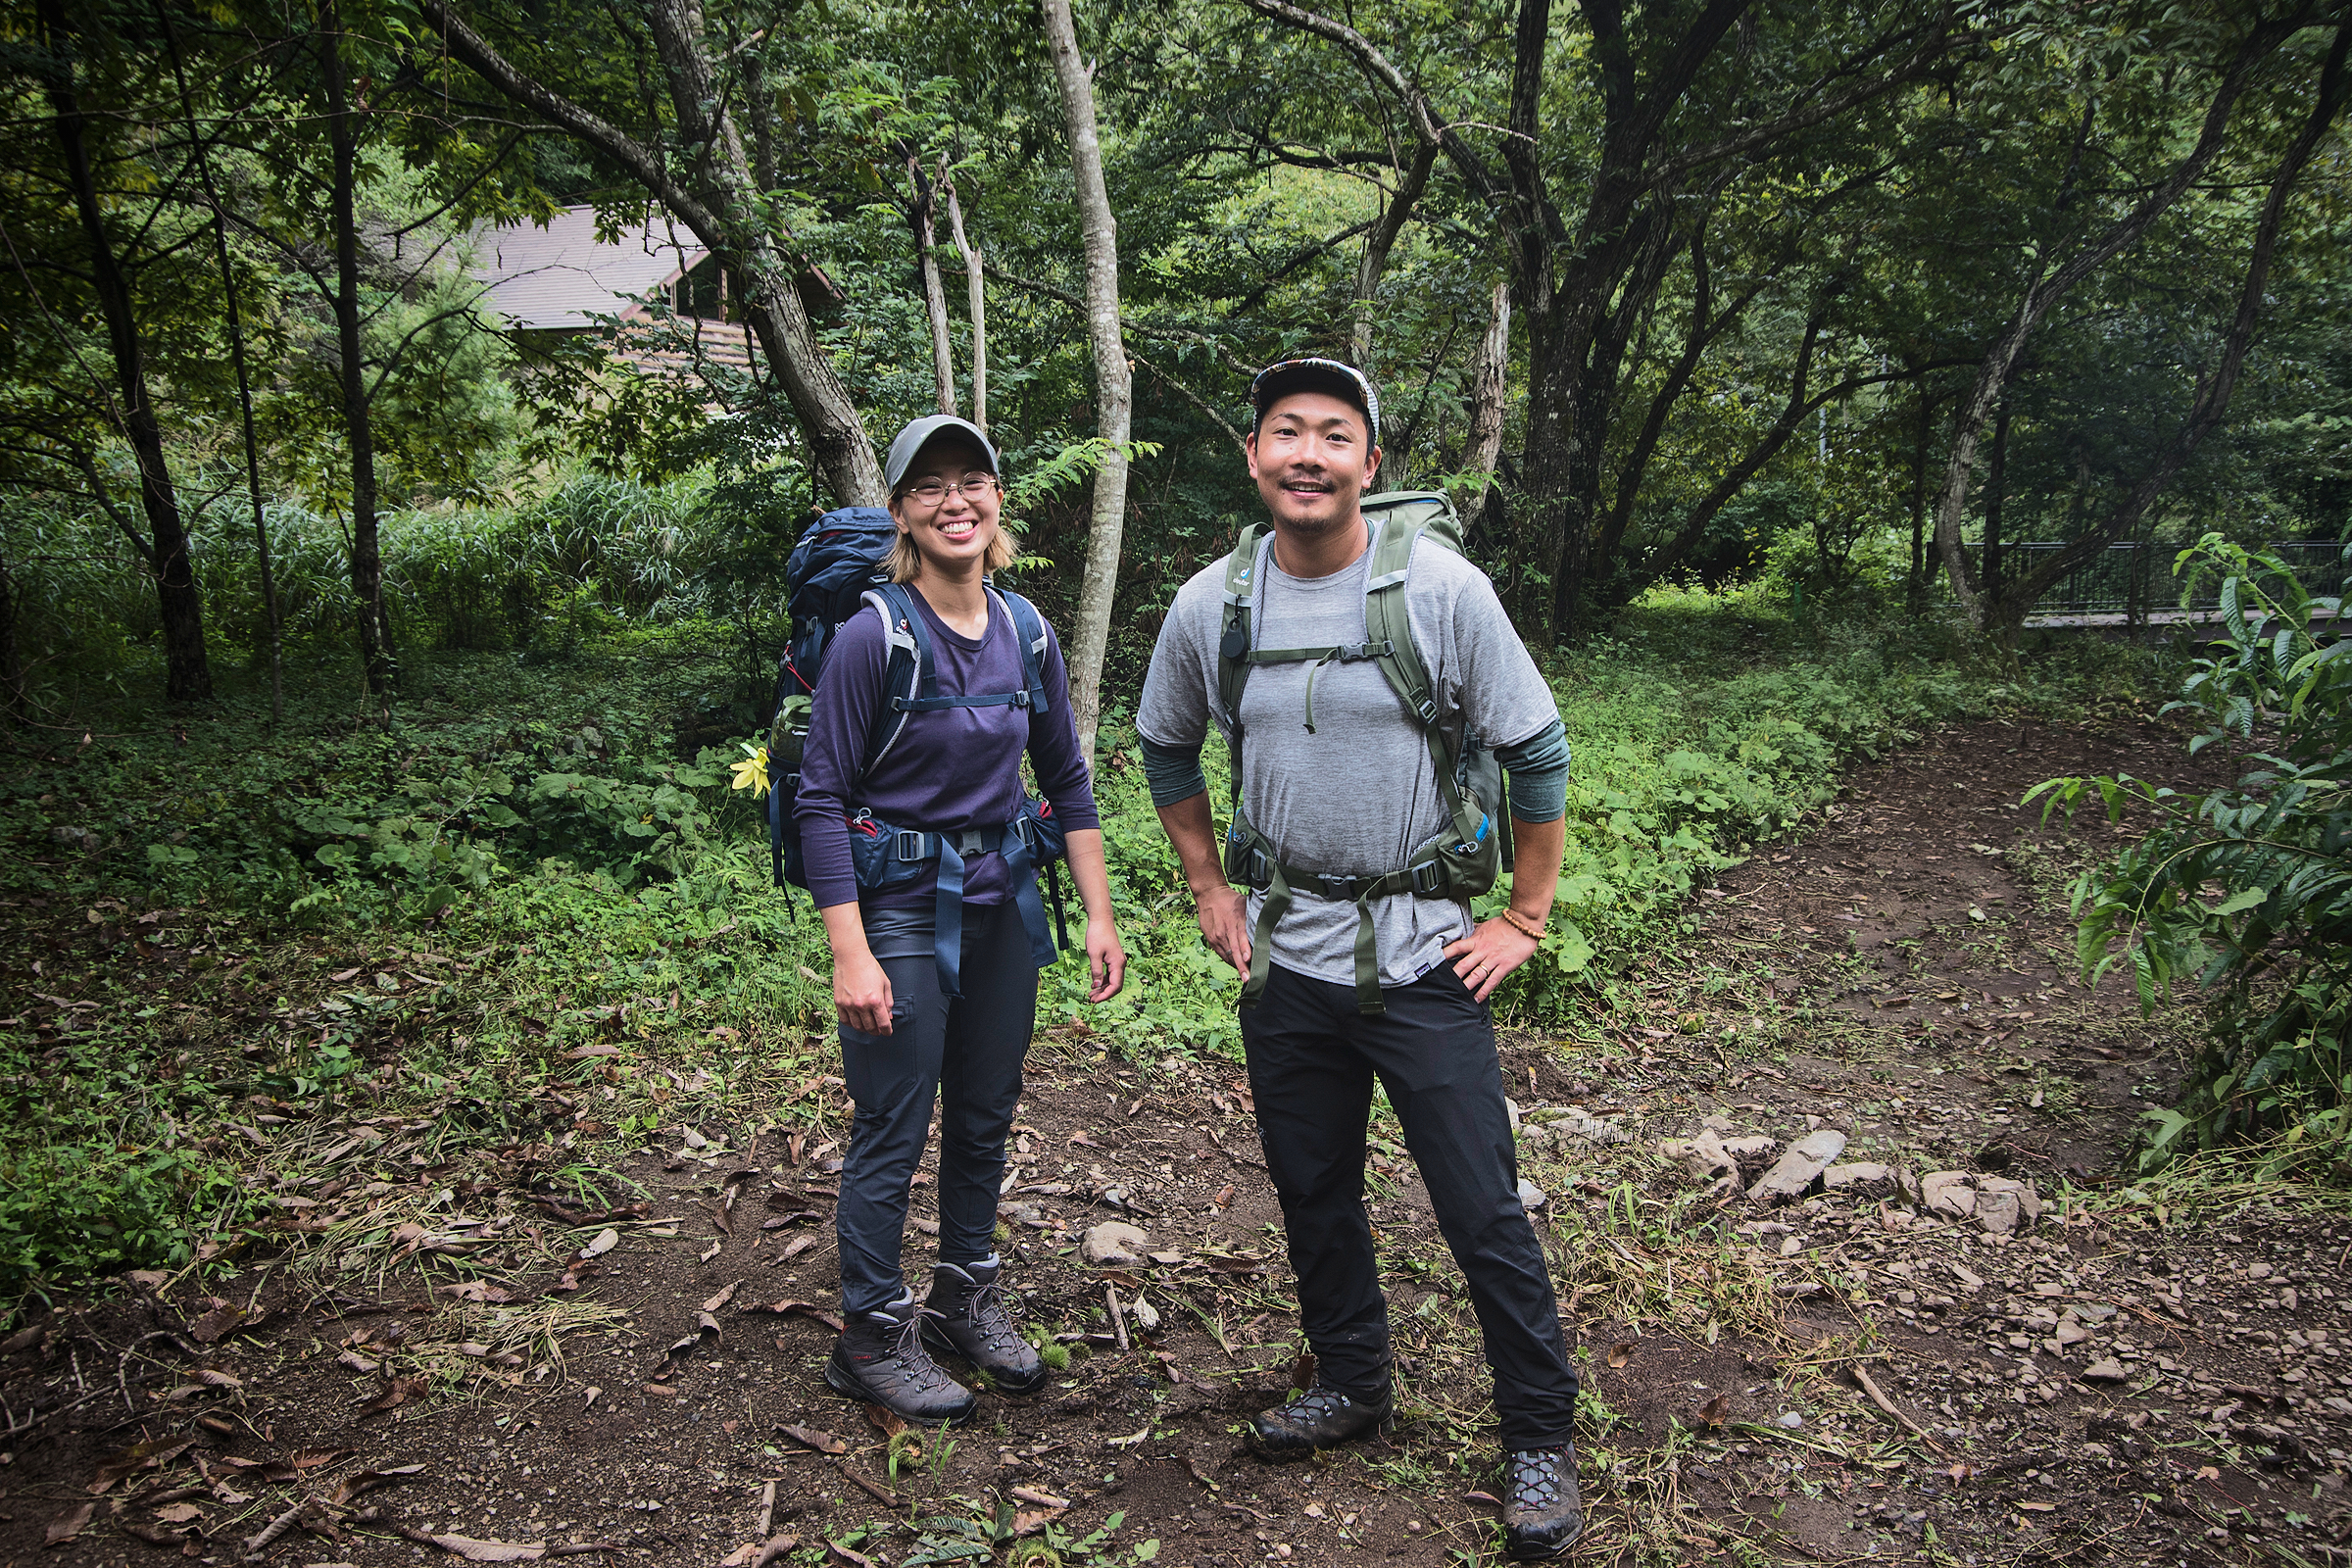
<point x="1461" y="861"/>
<point x="887" y="855"/>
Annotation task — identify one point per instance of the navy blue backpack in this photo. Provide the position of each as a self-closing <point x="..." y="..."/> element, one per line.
<point x="835" y="573"/>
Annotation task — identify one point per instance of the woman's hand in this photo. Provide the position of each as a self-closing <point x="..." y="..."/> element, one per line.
<point x="861" y="990"/>
<point x="1105" y="958"/>
<point x="1486" y="957"/>
<point x="861" y="994"/>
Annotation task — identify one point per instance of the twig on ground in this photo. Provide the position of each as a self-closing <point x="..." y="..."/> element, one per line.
<point x="777" y="1546"/>
<point x="123" y="1366"/>
<point x="874" y="1490"/>
<point x="767" y="1510"/>
<point x="1118" y="1319"/>
<point x="1884" y="1404"/>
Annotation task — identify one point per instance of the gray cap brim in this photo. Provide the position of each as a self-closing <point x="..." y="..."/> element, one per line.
<point x="910" y="443"/>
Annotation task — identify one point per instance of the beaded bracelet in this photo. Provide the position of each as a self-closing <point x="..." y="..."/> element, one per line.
<point x="1519" y="925"/>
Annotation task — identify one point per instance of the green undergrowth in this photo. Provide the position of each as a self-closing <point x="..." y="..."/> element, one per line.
<point x="534" y="915"/>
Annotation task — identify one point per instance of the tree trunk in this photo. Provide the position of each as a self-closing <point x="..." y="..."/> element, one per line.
<point x="187" y="671"/>
<point x="1489" y="393"/>
<point x="1383" y="240"/>
<point x="1916" y="585"/>
<point x="1114" y="390"/>
<point x="358" y="432"/>
<point x="1996" y="495"/>
<point x="975" y="293"/>
<point x="717" y="199"/>
<point x="935" y="294"/>
<point x="236" y="355"/>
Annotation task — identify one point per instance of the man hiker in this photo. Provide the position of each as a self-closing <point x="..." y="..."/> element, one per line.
<point x="1359" y="830"/>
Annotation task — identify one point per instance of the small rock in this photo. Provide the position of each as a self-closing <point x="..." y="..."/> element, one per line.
<point x="1798" y="1169"/>
<point x="1788" y="1422"/>
<point x="1948" y="1192"/>
<point x="2258" y="1271"/>
<point x="1114" y="1244"/>
<point x="2109" y="1370"/>
<point x="1145" y="1315"/>
<point x="1858" y="1173"/>
<point x="2093" y="1311"/>
<point x="1997" y="1212"/>
<point x="1753" y="1147"/>
<point x="1510" y="1108"/>
<point x="1531" y="1197"/>
<point x="2069" y="1332"/>
<point x="1587" y="1129"/>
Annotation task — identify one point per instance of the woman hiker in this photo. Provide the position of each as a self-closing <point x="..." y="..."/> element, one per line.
<point x="922" y="1017"/>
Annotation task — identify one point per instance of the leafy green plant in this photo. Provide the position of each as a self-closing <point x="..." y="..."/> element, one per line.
<point x="2245" y="887"/>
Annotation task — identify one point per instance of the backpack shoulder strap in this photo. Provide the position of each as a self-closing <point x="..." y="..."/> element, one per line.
<point x="910" y="670"/>
<point x="1233" y="624"/>
<point x="1030" y="627"/>
<point x="1388" y="621"/>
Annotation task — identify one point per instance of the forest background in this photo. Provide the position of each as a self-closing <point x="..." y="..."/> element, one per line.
<point x="1749" y="337"/>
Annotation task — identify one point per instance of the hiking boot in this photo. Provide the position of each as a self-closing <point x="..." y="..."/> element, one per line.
<point x="965" y="1316"/>
<point x="1542" y="1514"/>
<point x="1319" y="1418"/>
<point x="880" y="1359"/>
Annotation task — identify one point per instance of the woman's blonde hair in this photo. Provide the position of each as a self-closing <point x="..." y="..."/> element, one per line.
<point x="905" y="562"/>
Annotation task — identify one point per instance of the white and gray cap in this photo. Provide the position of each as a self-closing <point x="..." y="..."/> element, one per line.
<point x="918" y="433"/>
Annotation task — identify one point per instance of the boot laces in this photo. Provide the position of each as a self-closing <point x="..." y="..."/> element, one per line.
<point x="1316" y="1403"/>
<point x="907" y="1349"/>
<point x="984" y="1309"/>
<point x="1536" y="1478"/>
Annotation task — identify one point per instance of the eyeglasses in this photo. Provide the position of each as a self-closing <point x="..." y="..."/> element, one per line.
<point x="934" y="492"/>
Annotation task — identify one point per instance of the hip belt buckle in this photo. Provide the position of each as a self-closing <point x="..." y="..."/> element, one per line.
<point x="908" y="845"/>
<point x="1338" y="889"/>
<point x="974" y="841"/>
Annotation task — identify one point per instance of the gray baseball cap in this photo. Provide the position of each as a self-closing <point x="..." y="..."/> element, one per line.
<point x="1314" y="374"/>
<point x="909" y="443"/>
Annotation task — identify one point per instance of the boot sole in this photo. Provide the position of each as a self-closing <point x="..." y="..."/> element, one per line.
<point x="940" y="1345"/>
<point x="1518" y="1553"/>
<point x="840" y="1382"/>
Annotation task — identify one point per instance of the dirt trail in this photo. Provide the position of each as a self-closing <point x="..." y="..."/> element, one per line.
<point x="2097" y="1388"/>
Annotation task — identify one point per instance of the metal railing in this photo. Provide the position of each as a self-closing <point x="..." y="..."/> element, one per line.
<point x="2122" y="579"/>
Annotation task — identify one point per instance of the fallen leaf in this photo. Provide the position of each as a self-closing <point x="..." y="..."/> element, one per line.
<point x="477" y="1290"/>
<point x="219" y="1317"/>
<point x="838" y="1552"/>
<point x="2208" y="1473"/>
<point x="2039" y="1507"/>
<point x="139" y="1456"/>
<point x="352" y="1485"/>
<point x="1132" y="1438"/>
<point x="583" y="1052"/>
<point x="179" y="1513"/>
<point x="708" y="1324"/>
<point x="1711" y="1413"/>
<point x="710" y="1253"/>
<point x="821" y="1442"/>
<point x="722" y="1298"/>
<point x="344" y="975"/>
<point x="794" y="1248"/>
<point x="399" y="1392"/>
<point x="69" y="1524"/>
<point x="1619" y="1354"/>
<point x="1043" y="1499"/>
<point x="25" y="1339"/>
<point x="884" y="1421"/>
<point x="473" y="1550"/>
<point x="1224" y="1195"/>
<point x="604" y="1242"/>
<point x="1081" y="1136"/>
<point x="1030" y="1521"/>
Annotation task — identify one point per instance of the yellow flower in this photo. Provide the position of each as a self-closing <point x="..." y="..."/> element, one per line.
<point x="752" y="773"/>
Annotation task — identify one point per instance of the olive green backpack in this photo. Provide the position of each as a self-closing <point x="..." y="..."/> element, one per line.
<point x="1474" y="850"/>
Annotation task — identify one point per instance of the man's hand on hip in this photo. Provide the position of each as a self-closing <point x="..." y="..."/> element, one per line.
<point x="1225" y="925"/>
<point x="1489" y="954"/>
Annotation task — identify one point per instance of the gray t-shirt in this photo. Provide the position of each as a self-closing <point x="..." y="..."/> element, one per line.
<point x="1358" y="796"/>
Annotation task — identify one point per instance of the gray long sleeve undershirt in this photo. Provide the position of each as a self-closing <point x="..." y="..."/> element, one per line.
<point x="1539" y="769"/>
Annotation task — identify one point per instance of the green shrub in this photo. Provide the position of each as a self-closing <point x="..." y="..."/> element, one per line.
<point x="2246" y="888"/>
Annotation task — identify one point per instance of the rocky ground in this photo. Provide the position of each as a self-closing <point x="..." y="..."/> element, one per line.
<point x="1843" y="1251"/>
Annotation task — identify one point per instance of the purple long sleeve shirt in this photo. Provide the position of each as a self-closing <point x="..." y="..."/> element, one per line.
<point x="954" y="769"/>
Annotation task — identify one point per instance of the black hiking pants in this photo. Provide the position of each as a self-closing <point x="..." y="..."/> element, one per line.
<point x="963" y="1053"/>
<point x="1312" y="1057"/>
